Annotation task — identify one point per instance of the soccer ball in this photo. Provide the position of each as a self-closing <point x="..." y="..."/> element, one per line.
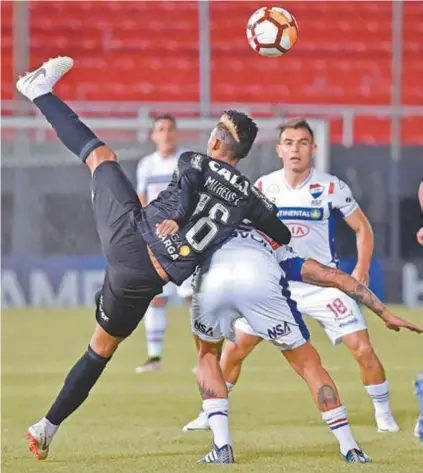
<point x="272" y="31"/>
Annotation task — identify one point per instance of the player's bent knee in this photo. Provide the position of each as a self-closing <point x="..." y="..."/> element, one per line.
<point x="360" y="346"/>
<point x="99" y="156"/>
<point x="103" y="343"/>
<point x="209" y="348"/>
<point x="364" y="352"/>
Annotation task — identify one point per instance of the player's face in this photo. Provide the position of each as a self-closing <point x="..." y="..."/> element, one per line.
<point x="165" y="136"/>
<point x="296" y="149"/>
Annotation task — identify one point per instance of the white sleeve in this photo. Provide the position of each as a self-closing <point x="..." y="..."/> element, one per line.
<point x="285" y="252"/>
<point x="342" y="199"/>
<point x="143" y="173"/>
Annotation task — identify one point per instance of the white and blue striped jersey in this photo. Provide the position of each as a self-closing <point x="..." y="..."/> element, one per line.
<point x="154" y="172"/>
<point x="310" y="211"/>
<point x="248" y="243"/>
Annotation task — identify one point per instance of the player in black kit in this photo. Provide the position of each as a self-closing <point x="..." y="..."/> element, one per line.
<point x="146" y="247"/>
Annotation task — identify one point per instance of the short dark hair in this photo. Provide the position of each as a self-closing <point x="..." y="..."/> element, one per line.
<point x="237" y="131"/>
<point x="165" y="116"/>
<point x="296" y="124"/>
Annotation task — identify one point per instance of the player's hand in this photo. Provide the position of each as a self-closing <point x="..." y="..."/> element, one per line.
<point x="420" y="236"/>
<point x="361" y="275"/>
<point x="166" y="228"/>
<point x="396" y="323"/>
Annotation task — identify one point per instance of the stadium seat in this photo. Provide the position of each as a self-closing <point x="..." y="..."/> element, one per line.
<point x="148" y="51"/>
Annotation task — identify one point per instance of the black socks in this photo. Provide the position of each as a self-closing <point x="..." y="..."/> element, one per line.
<point x="76" y="136"/>
<point x="78" y="383"/>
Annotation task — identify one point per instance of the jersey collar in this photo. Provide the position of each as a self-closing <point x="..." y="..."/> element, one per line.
<point x="177" y="153"/>
<point x="301" y="185"/>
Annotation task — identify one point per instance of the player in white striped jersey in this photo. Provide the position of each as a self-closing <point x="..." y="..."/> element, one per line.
<point x="154" y="172"/>
<point x="248" y="277"/>
<point x="309" y="201"/>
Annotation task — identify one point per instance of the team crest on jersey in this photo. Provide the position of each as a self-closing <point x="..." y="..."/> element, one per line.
<point x="184" y="250"/>
<point x="196" y="161"/>
<point x="316" y="190"/>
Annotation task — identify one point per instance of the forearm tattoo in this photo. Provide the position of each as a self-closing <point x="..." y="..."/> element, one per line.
<point x="320" y="275"/>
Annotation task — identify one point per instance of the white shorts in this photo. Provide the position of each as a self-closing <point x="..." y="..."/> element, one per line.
<point x="250" y="288"/>
<point x="336" y="312"/>
<point x="183" y="291"/>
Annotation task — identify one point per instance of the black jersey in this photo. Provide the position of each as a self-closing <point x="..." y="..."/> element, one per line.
<point x="208" y="199"/>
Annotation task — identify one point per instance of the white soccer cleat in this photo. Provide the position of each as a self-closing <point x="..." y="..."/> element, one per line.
<point x="42" y="80"/>
<point x="39" y="440"/>
<point x="199" y="423"/>
<point x="386" y="423"/>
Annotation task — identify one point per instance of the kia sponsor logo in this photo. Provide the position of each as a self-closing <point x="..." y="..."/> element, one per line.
<point x="298" y="230"/>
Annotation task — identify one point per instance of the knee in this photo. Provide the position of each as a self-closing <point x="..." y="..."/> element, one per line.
<point x="98" y="156"/>
<point x="104" y="344"/>
<point x="208" y="350"/>
<point x="363" y="351"/>
<point x="235" y="352"/>
<point x="305" y="360"/>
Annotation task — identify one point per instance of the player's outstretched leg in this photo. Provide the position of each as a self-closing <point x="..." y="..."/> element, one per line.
<point x="215" y="402"/>
<point x="37" y="86"/>
<point x="373" y="377"/>
<point x="306" y="362"/>
<point x="78" y="383"/>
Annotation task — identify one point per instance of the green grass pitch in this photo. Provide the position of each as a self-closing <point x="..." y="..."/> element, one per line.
<point x="132" y="423"/>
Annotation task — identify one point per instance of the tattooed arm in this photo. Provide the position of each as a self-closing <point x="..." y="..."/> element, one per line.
<point x="318" y="274"/>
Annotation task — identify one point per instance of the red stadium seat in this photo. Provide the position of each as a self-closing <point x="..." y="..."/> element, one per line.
<point x="148" y="51"/>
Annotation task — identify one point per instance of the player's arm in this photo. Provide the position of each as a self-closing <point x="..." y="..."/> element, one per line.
<point x="264" y="218"/>
<point x="143" y="173"/>
<point x="344" y="205"/>
<point x="318" y="274"/>
<point x="189" y="178"/>
<point x="365" y="245"/>
<point x="143" y="199"/>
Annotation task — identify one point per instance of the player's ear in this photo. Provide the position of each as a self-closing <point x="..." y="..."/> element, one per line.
<point x="216" y="144"/>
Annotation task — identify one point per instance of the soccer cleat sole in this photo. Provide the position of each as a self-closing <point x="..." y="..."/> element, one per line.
<point x="34" y="448"/>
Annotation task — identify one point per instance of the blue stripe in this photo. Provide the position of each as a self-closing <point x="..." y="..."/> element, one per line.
<point x="292" y="268"/>
<point x="339" y="426"/>
<point x="217" y="413"/>
<point x="334" y="215"/>
<point x="293" y="307"/>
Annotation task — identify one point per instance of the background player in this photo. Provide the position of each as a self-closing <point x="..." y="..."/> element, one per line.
<point x="309" y="201"/>
<point x="244" y="279"/>
<point x="154" y="172"/>
<point x="145" y="247"/>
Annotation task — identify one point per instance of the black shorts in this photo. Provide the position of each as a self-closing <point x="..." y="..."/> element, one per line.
<point x="131" y="281"/>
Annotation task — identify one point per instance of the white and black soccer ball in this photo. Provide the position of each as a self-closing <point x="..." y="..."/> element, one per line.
<point x="272" y="31"/>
